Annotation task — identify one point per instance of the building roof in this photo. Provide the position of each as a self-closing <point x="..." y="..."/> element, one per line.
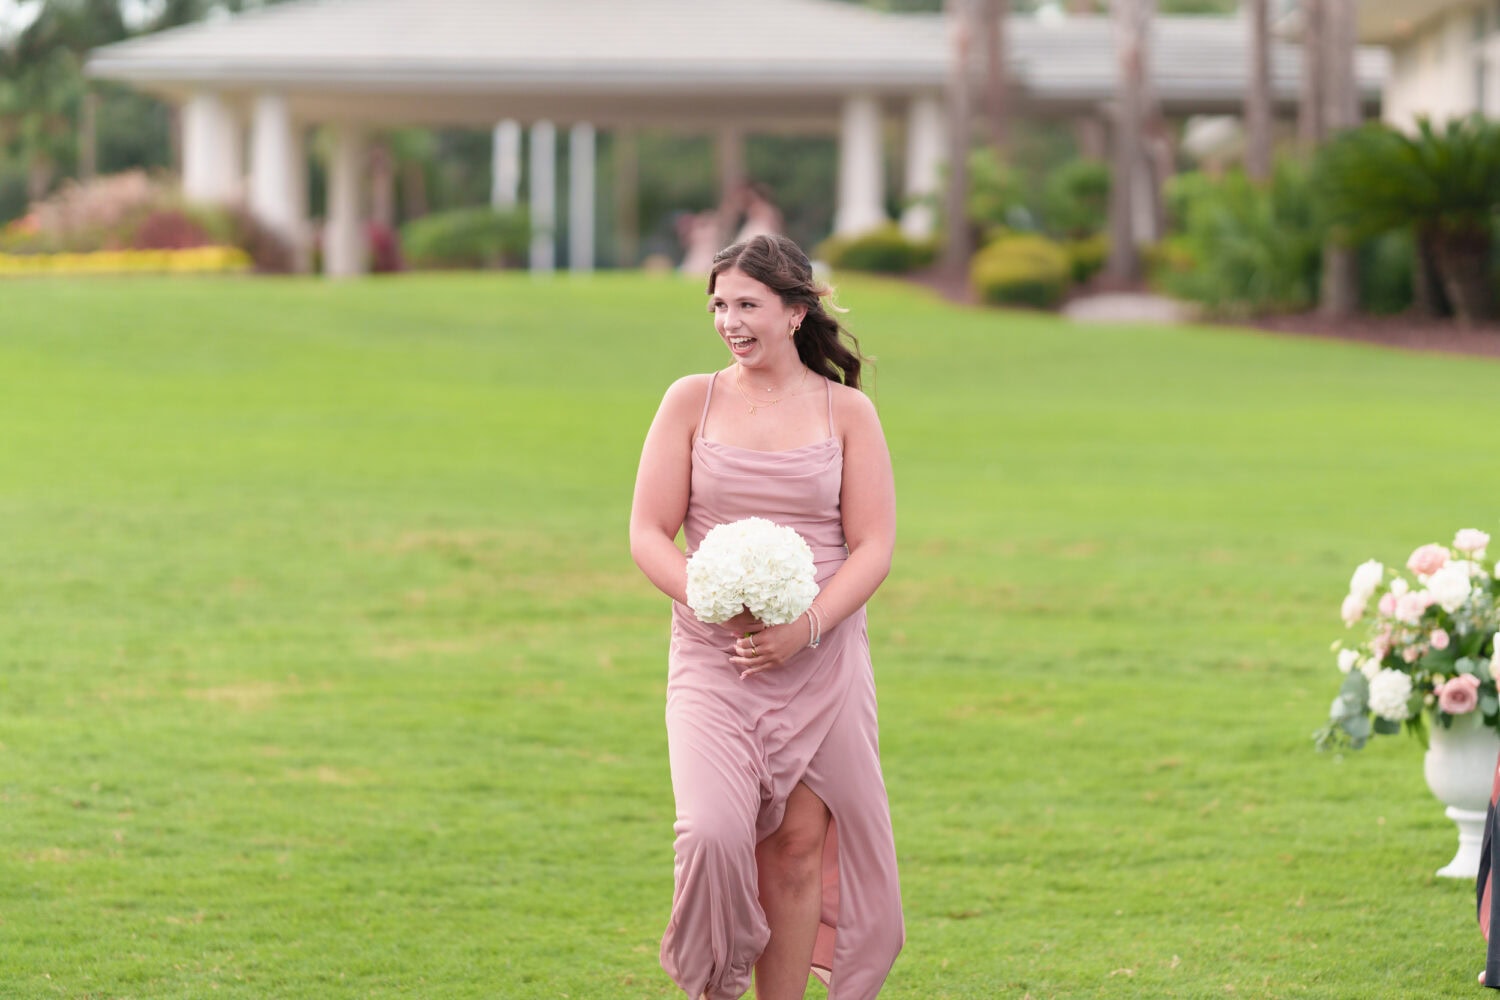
<point x="772" y="62"/>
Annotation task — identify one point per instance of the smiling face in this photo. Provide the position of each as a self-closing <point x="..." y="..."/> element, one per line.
<point x="753" y="321"/>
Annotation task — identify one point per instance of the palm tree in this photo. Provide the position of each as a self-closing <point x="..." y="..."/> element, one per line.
<point x="1442" y="185"/>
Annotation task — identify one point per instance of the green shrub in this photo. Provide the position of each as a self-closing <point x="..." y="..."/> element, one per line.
<point x="466" y="238"/>
<point x="1385" y="274"/>
<point x="1024" y="270"/>
<point x="1075" y="199"/>
<point x="1256" y="249"/>
<point x="886" y="250"/>
<point x="1087" y="256"/>
<point x="997" y="197"/>
<point x="1440" y="183"/>
<point x="1167" y="259"/>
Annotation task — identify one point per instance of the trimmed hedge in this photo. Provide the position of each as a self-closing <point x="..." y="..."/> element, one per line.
<point x="1087" y="256"/>
<point x="467" y="238"/>
<point x="886" y="250"/>
<point x="1021" y="270"/>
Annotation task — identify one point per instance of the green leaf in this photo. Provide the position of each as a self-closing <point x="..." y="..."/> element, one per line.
<point x="1385" y="727"/>
<point x="1357" y="726"/>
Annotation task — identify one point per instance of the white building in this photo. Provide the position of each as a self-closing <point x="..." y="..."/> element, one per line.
<point x="251" y="86"/>
<point x="1445" y="56"/>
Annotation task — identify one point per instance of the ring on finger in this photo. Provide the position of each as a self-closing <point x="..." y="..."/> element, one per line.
<point x="753" y="650"/>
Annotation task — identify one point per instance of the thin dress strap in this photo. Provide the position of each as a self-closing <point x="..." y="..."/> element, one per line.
<point x="828" y="385"/>
<point x="703" y="418"/>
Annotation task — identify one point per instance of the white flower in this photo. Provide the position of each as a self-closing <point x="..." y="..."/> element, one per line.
<point x="1366" y="579"/>
<point x="1347" y="659"/>
<point x="1399" y="586"/>
<point x="1471" y="541"/>
<point x="1450" y="585"/>
<point x="1390" y="690"/>
<point x="752" y="563"/>
<point x="1352" y="610"/>
<point x="1369" y="668"/>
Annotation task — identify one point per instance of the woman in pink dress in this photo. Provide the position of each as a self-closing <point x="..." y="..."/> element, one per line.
<point x="785" y="862"/>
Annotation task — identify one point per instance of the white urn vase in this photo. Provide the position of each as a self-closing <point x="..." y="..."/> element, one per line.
<point x="1460" y="769"/>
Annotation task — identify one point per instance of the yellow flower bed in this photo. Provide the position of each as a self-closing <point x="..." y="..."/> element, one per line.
<point x="197" y="260"/>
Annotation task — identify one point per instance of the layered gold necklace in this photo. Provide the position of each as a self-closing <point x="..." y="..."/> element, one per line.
<point x="757" y="404"/>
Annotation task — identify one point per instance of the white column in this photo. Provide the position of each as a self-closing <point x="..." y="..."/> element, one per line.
<point x="543" y="170"/>
<point x="278" y="189"/>
<point x="505" y="172"/>
<point x="212" y="150"/>
<point x="344" y="251"/>
<point x="581" y="198"/>
<point x="861" y="198"/>
<point x="925" y="143"/>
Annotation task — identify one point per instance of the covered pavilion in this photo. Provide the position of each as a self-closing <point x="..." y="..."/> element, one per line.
<point x="251" y="86"/>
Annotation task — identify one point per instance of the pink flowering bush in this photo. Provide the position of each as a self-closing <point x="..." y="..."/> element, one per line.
<point x="1428" y="648"/>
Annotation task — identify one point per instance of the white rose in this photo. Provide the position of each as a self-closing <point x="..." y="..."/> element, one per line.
<point x="1347" y="659"/>
<point x="1389" y="693"/>
<point x="1352" y="610"/>
<point x="1399" y="586"/>
<point x="1369" y="668"/>
<point x="1450" y="584"/>
<point x="1366" y="579"/>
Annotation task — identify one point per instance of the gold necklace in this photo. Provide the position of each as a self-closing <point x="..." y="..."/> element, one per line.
<point x="757" y="404"/>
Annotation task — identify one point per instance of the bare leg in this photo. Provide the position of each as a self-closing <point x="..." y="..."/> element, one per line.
<point x="791" y="887"/>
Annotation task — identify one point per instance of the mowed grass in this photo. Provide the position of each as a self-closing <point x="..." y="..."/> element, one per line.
<point x="324" y="671"/>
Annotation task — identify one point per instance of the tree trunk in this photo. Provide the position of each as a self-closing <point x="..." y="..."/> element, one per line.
<point x="1463" y="261"/>
<point x="959" y="246"/>
<point x="625" y="148"/>
<point x="382" y="168"/>
<point x="39" y="177"/>
<point x="1310" y="126"/>
<point x="1428" y="299"/>
<point x="1258" y="137"/>
<point x="88" y="136"/>
<point x="1132" y="20"/>
<point x="1340" y="293"/>
<point x="996" y="66"/>
<point x="414" y="189"/>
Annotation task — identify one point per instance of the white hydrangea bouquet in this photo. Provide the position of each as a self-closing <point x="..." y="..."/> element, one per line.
<point x="755" y="564"/>
<point x="1429" y="647"/>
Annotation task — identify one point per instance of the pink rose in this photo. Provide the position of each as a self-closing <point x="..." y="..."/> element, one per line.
<point x="1387" y="605"/>
<point x="1428" y="559"/>
<point x="1460" y="695"/>
<point x="1412" y="605"/>
<point x="1411" y="654"/>
<point x="1472" y="541"/>
<point x="1352" y="610"/>
<point x="1439" y="639"/>
<point x="1380" y="645"/>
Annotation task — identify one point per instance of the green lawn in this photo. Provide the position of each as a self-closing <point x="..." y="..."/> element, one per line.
<point x="324" y="671"/>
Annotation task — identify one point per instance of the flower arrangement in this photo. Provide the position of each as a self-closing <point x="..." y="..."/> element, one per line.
<point x="1429" y="647"/>
<point x="751" y="564"/>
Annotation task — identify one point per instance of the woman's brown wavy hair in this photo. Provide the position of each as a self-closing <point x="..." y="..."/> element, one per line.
<point x="781" y="266"/>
